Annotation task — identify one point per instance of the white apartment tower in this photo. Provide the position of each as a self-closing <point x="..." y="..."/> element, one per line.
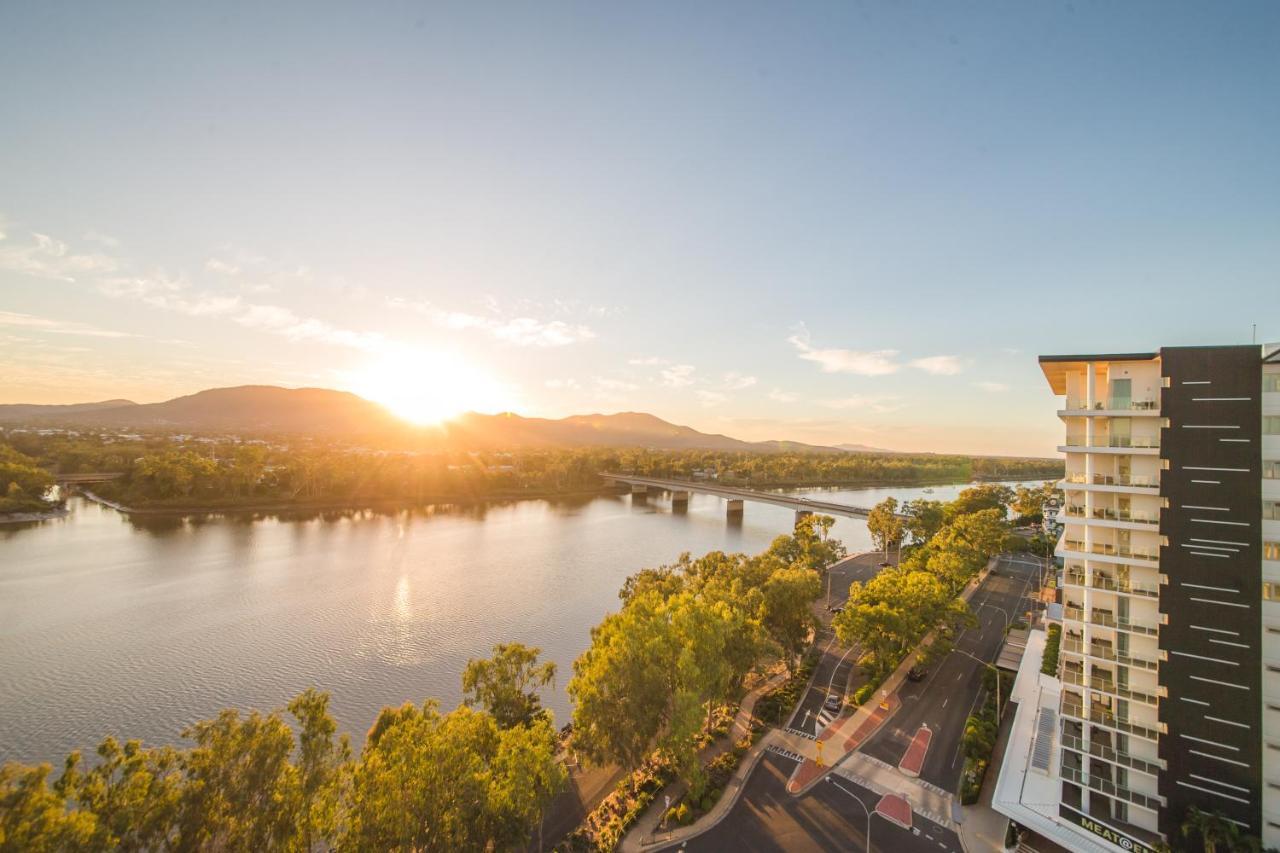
<point x="1168" y="689"/>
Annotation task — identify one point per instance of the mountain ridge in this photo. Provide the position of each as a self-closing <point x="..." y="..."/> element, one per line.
<point x="328" y="412"/>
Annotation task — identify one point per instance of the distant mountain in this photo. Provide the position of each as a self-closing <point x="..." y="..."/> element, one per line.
<point x="24" y="411"/>
<point x="863" y="448"/>
<point x="248" y="409"/>
<point x="625" y="429"/>
<point x="263" y="409"/>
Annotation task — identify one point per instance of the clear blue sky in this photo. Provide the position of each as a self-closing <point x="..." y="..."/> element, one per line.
<point x="851" y="222"/>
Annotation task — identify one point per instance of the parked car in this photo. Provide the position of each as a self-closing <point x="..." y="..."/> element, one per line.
<point x="834" y="703"/>
<point x="839" y="608"/>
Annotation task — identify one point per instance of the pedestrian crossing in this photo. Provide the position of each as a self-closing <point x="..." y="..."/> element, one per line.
<point x="823" y="719"/>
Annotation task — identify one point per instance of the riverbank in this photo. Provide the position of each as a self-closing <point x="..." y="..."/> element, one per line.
<point x="284" y="507"/>
<point x="27" y="517"/>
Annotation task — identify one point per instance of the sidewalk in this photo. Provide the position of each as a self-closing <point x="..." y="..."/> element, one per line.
<point x="645" y="833"/>
<point x="982" y="827"/>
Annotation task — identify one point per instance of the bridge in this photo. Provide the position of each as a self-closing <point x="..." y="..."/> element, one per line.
<point x="735" y="497"/>
<point x="82" y="479"/>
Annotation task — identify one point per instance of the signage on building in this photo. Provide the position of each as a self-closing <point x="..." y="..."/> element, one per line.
<point x="1106" y="833"/>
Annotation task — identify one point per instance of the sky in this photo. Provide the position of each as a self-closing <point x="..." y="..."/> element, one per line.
<point x="848" y="222"/>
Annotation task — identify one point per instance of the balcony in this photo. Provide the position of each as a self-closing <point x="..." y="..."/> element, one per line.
<point x="1127" y="480"/>
<point x="1106" y="753"/>
<point x="1109" y="620"/>
<point x="1108" y="653"/>
<point x="1108" y="550"/>
<point x="1111" y="789"/>
<point x="1106" y="685"/>
<point x="1102" y="716"/>
<point x="1107" y="514"/>
<point x="1113" y="404"/>
<point x="1110" y="584"/>
<point x="1111" y="442"/>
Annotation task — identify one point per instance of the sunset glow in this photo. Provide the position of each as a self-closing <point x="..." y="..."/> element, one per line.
<point x="429" y="387"/>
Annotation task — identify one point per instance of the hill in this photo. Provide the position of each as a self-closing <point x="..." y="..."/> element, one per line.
<point x="266" y="409"/>
<point x="27" y="411"/>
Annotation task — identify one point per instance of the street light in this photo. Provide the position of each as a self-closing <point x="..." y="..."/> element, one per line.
<point x="993" y="667"/>
<point x="858" y="800"/>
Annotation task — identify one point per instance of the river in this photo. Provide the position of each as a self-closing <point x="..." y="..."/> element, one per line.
<point x="138" y="628"/>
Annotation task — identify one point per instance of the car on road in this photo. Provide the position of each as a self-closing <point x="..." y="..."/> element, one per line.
<point x="839" y="608"/>
<point x="916" y="673"/>
<point x="834" y="703"/>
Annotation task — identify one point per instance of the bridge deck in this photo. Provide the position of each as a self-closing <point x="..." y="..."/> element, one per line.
<point x="704" y="487"/>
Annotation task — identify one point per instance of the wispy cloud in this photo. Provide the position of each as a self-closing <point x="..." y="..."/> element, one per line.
<point x="647" y="361"/>
<point x="607" y="384"/>
<point x="170" y="294"/>
<point x="562" y="384"/>
<point x="734" y="381"/>
<point x="939" y="365"/>
<point x="58" y="327"/>
<point x="992" y="387"/>
<point x="282" y="321"/>
<point x="872" y="363"/>
<point x="221" y="267"/>
<point x="94" y="236"/>
<point x="879" y="405"/>
<point x="711" y="398"/>
<point x="678" y="375"/>
<point x="780" y="396"/>
<point x="522" y="331"/>
<point x="45" y="257"/>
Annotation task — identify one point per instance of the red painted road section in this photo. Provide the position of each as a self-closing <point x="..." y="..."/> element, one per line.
<point x="894" y="808"/>
<point x="913" y="758"/>
<point x="809" y="769"/>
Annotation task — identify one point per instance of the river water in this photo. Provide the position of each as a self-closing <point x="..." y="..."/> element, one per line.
<point x="140" y="627"/>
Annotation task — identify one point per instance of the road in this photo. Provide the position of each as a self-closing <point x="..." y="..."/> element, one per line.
<point x="948" y="694"/>
<point x="832" y="816"/>
<point x="837" y="662"/>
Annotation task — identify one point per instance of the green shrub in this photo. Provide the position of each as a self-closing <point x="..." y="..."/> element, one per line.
<point x="1049" y="664"/>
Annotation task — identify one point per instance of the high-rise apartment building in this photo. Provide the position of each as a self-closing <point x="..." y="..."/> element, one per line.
<point x="1167" y="693"/>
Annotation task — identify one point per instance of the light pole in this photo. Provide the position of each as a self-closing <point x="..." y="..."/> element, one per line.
<point x="1003" y="612"/>
<point x="993" y="668"/>
<point x="858" y="800"/>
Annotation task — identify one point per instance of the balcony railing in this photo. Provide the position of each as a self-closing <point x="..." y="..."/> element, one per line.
<point x="1108" y="619"/>
<point x="1107" y="514"/>
<point x="1108" y="754"/>
<point x="1115" y="404"/>
<point x="1135" y="441"/>
<point x="1103" y="717"/>
<point x="1071" y="774"/>
<point x="1108" y="653"/>
<point x="1106" y="685"/>
<point x="1109" y="550"/>
<point x="1143" y="482"/>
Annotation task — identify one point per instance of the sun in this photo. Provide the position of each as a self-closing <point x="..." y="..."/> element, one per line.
<point x="429" y="387"/>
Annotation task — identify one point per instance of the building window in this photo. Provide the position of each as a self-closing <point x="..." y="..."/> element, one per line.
<point x="1271" y="510"/>
<point x="1271" y="469"/>
<point x="1271" y="425"/>
<point x="1271" y="382"/>
<point x="1271" y="592"/>
<point x="1271" y="550"/>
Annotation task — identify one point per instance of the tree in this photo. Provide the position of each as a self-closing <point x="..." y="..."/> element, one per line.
<point x="322" y="764"/>
<point x="979" y="498"/>
<point x="242" y="792"/>
<point x="884" y="524"/>
<point x="35" y="818"/>
<point x="451" y="782"/>
<point x="134" y="794"/>
<point x="924" y="518"/>
<point x="507" y="684"/>
<point x="1213" y="830"/>
<point x="788" y="611"/>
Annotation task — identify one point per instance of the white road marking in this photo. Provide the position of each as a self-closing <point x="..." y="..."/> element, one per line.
<point x="945" y="701"/>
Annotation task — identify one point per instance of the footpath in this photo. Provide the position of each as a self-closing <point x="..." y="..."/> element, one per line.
<point x="835" y="749"/>
<point x="646" y="834"/>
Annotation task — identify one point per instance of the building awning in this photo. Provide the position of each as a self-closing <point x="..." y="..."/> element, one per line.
<point x="1015" y="646"/>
